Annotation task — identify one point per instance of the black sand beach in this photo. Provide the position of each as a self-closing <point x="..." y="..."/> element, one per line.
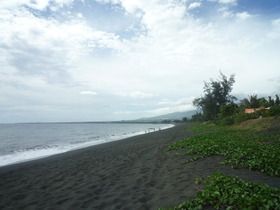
<point x="135" y="173"/>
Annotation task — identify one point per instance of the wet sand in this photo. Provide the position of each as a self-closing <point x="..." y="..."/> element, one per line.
<point x="134" y="173"/>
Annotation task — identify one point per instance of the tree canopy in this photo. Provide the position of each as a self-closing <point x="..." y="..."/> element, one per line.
<point x="216" y="95"/>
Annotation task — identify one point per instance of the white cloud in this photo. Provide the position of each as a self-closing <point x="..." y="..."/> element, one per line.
<point x="136" y="95"/>
<point x="243" y="15"/>
<point x="122" y="113"/>
<point x="169" y="109"/>
<point x="170" y="57"/>
<point x="164" y="107"/>
<point x="88" y="92"/>
<point x="194" y="5"/>
<point x="167" y="106"/>
<point x="35" y="4"/>
<point x="29" y="37"/>
<point x="179" y="102"/>
<point x="226" y="12"/>
<point x="276" y="22"/>
<point x="225" y="1"/>
<point x="274" y="33"/>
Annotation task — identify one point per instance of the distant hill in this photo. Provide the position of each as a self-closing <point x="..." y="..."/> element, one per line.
<point x="170" y="116"/>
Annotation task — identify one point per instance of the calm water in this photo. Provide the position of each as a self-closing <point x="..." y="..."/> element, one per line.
<point x="23" y="142"/>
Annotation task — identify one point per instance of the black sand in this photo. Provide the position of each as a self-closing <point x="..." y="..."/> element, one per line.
<point x="135" y="173"/>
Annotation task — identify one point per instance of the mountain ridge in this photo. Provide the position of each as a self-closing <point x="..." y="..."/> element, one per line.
<point x="167" y="117"/>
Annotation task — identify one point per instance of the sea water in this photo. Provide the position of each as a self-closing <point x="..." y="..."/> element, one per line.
<point x="24" y="142"/>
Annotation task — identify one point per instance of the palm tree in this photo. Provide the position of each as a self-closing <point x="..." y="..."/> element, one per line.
<point x="251" y="102"/>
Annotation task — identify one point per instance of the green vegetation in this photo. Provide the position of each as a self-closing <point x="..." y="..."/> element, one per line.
<point x="219" y="106"/>
<point x="216" y="95"/>
<point x="224" y="192"/>
<point x="241" y="147"/>
<point x="251" y="141"/>
<point x="254" y="144"/>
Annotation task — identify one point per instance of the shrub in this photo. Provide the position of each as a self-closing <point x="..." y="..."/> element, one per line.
<point x="275" y="110"/>
<point x="227" y="121"/>
<point x="226" y="192"/>
<point x="241" y="148"/>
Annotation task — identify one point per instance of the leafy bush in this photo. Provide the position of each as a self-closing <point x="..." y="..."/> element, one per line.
<point x="225" y="192"/>
<point x="241" y="148"/>
<point x="275" y="110"/>
<point x="227" y="121"/>
<point x="228" y="110"/>
<point x="241" y="117"/>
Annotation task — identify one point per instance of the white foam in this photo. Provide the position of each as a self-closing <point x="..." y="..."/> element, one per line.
<point x="37" y="153"/>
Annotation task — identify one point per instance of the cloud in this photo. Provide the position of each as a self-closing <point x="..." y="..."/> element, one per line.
<point x="163" y="107"/>
<point x="225" y="2"/>
<point x="243" y="15"/>
<point x="49" y="47"/>
<point x="227" y="12"/>
<point x="179" y="102"/>
<point x="276" y="22"/>
<point x="169" y="109"/>
<point x="35" y="4"/>
<point x="122" y="113"/>
<point x="182" y="104"/>
<point x="160" y="66"/>
<point x="88" y="92"/>
<point x="194" y="5"/>
<point x="136" y="95"/>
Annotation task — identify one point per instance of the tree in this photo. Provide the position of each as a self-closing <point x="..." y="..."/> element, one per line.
<point x="216" y="94"/>
<point x="228" y="110"/>
<point x="277" y="100"/>
<point x="251" y="102"/>
<point x="270" y="101"/>
<point x="197" y="117"/>
<point x="263" y="102"/>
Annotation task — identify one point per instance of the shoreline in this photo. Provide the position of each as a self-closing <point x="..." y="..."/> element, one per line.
<point x="22" y="157"/>
<point x="79" y="150"/>
<point x="133" y="173"/>
<point x="116" y="175"/>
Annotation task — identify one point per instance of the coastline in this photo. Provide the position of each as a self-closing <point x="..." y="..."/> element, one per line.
<point x="42" y="160"/>
<point x="26" y="156"/>
<point x="133" y="173"/>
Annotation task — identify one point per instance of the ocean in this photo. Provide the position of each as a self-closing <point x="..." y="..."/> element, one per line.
<point x="29" y="141"/>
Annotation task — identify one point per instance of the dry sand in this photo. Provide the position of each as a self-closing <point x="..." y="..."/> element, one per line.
<point x="135" y="173"/>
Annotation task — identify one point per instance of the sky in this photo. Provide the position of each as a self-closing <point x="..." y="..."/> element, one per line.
<point x="99" y="60"/>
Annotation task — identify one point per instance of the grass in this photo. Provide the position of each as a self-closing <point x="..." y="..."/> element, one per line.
<point x="242" y="148"/>
<point x="225" y="192"/>
<point x="254" y="145"/>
